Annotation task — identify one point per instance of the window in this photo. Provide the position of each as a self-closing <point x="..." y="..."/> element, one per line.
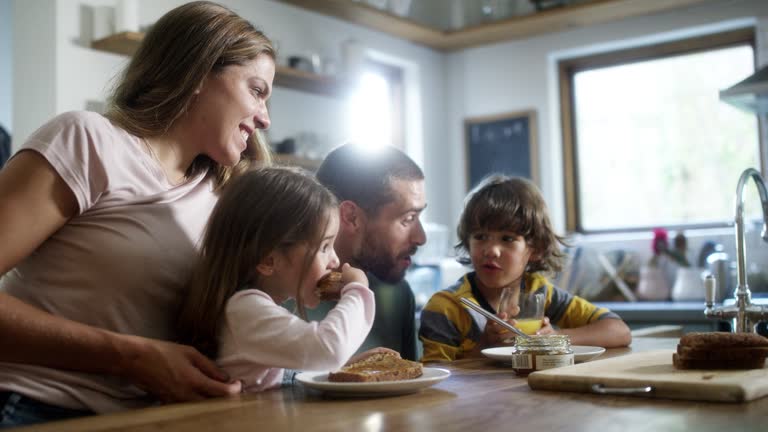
<point x="648" y="143"/>
<point x="376" y="108"/>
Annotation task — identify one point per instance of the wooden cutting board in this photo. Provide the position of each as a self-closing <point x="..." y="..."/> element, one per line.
<point x="654" y="369"/>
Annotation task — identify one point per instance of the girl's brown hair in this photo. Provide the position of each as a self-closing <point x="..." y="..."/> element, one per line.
<point x="513" y="204"/>
<point x="179" y="51"/>
<point x="261" y="211"/>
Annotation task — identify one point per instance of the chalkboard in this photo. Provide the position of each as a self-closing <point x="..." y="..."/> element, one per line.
<point x="504" y="144"/>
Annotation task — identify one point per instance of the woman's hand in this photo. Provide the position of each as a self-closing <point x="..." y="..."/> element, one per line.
<point x="365" y="354"/>
<point x="173" y="372"/>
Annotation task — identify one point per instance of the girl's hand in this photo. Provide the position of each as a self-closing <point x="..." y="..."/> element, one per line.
<point x="329" y="286"/>
<point x="546" y="327"/>
<point x="351" y="274"/>
<point x="365" y="354"/>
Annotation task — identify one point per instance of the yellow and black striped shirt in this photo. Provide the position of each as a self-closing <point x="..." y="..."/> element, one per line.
<point x="448" y="329"/>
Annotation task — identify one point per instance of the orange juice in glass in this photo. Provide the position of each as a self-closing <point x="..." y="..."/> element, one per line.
<point x="528" y="325"/>
<point x="527" y="311"/>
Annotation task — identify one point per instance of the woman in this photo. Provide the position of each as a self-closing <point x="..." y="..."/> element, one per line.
<point x="101" y="215"/>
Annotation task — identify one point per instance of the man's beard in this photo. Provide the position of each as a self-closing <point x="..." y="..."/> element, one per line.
<point x="375" y="258"/>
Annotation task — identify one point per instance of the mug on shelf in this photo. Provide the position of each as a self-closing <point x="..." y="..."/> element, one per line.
<point x="689" y="284"/>
<point x="653" y="284"/>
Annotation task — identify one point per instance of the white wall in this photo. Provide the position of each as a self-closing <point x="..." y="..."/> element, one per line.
<point x="82" y="74"/>
<point x="34" y="66"/>
<point x="6" y="70"/>
<point x="62" y="73"/>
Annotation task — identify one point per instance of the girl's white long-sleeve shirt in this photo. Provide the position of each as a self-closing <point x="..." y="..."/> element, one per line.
<point x="259" y="338"/>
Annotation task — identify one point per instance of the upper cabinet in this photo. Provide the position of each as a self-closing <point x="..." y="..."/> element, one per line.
<point x="559" y="15"/>
<point x="126" y="43"/>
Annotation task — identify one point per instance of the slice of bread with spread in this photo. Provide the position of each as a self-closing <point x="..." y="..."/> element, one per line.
<point x="378" y="367"/>
<point x="721" y="350"/>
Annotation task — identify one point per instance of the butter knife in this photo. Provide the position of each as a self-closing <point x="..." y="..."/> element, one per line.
<point x="490" y="316"/>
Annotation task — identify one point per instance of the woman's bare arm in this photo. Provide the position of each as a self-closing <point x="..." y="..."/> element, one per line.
<point x="35" y="203"/>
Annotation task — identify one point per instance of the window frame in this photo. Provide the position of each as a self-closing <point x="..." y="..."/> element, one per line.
<point x="567" y="68"/>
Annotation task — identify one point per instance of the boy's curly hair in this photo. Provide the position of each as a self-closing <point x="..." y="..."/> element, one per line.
<point x="514" y="204"/>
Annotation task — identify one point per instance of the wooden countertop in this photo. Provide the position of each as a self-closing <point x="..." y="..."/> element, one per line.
<point x="480" y="395"/>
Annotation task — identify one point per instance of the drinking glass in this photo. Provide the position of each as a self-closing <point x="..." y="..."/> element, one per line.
<point x="528" y="310"/>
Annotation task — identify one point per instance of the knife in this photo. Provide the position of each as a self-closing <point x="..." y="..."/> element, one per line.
<point x="490" y="316"/>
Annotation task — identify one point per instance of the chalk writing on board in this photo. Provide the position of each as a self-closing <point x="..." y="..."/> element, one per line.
<point x="501" y="144"/>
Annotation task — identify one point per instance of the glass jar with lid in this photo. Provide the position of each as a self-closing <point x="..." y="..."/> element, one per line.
<point x="540" y="352"/>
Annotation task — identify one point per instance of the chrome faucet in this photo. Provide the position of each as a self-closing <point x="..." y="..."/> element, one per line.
<point x="743" y="314"/>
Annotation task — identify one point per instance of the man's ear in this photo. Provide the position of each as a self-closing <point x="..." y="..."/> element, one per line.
<point x="351" y="217"/>
<point x="267" y="266"/>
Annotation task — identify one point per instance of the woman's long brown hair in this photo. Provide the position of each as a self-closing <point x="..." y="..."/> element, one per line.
<point x="261" y="211"/>
<point x="177" y="53"/>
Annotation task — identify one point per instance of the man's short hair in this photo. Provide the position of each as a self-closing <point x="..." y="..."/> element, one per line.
<point x="363" y="175"/>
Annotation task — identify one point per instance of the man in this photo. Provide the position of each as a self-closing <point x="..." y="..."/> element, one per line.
<point x="381" y="197"/>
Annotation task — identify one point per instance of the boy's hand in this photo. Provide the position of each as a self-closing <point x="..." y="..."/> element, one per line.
<point x="494" y="334"/>
<point x="546" y="327"/>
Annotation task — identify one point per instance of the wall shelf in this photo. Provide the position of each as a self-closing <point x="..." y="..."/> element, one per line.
<point x="549" y="21"/>
<point x="126" y="43"/>
<point x="299" y="161"/>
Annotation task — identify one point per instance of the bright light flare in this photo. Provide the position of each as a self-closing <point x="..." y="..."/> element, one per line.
<point x="370" y="115"/>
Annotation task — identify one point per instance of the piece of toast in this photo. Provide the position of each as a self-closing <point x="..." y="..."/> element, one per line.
<point x="708" y="364"/>
<point x="724" y="354"/>
<point x="378" y="367"/>
<point x="329" y="286"/>
<point x="717" y="340"/>
<point x="721" y="350"/>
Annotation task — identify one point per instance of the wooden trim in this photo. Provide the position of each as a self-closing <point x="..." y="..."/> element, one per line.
<point x="309" y="82"/>
<point x="569" y="164"/>
<point x="534" y="130"/>
<point x="568" y="68"/>
<point x="127" y="43"/>
<point x="299" y="161"/>
<point x="666" y="49"/>
<point x="124" y="43"/>
<point x="550" y="21"/>
<point x="369" y="16"/>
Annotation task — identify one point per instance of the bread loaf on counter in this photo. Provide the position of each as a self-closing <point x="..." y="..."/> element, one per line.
<point x="721" y="350"/>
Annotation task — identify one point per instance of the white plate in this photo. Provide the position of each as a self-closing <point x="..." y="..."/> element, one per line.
<point x="319" y="381"/>
<point x="581" y="353"/>
<point x="584" y="353"/>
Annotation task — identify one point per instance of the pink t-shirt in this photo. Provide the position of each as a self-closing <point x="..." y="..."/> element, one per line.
<point x="260" y="338"/>
<point x="120" y="264"/>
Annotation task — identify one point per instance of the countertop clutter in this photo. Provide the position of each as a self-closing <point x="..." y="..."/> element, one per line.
<point x="480" y="395"/>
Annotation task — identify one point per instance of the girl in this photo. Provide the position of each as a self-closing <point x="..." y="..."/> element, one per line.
<point x="270" y="239"/>
<point x="507" y="233"/>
